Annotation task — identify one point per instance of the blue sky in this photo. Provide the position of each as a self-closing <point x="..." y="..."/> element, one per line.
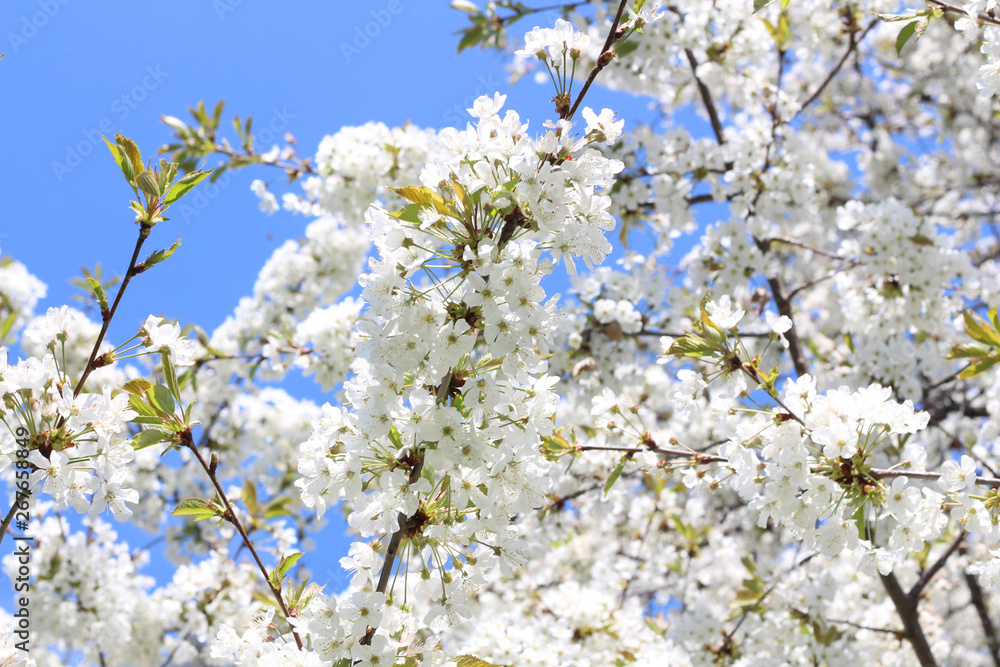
<point x="72" y="73"/>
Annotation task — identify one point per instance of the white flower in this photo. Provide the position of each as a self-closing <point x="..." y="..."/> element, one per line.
<point x="486" y="106"/>
<point x="605" y="127"/>
<point x="958" y="477"/>
<point x="268" y="202"/>
<point x="778" y="325"/>
<point x="723" y="313"/>
<point x="167" y="338"/>
<point x="989" y="571"/>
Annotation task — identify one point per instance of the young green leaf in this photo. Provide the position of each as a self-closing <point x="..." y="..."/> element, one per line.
<point x="157" y="256"/>
<point x="616" y="473"/>
<point x="185" y="185"/>
<point x="162" y="400"/>
<point x="287" y="562"/>
<point x="170" y="376"/>
<point x="148" y="438"/>
<point x="904" y="36"/>
<point x="102" y="299"/>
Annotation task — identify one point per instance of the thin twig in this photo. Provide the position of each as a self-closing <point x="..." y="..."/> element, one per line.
<point x="602" y="59"/>
<point x="706" y="99"/>
<point x="784" y="306"/>
<point x="676" y="334"/>
<point x="897" y="633"/>
<point x="801" y="244"/>
<point x="854" y="42"/>
<point x="230" y="516"/>
<point x="982" y="18"/>
<point x="874" y="473"/>
<point x="760" y="600"/>
<point x="129" y="274"/>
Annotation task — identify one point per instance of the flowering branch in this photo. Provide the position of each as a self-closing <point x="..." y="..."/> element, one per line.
<point x="980" y="17"/>
<point x="144" y="231"/>
<point x="230" y="515"/>
<point x="603" y="59"/>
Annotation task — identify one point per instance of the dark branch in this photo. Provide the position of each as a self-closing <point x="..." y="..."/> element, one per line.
<point x="906" y="607"/>
<point x="706" y="98"/>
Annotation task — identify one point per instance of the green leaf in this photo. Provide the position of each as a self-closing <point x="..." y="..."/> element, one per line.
<point x="977" y="368"/>
<point x="979" y="329"/>
<point x="627" y="47"/>
<point x="168" y="172"/>
<point x="148" y="438"/>
<point x="250" y="497"/>
<point x="424" y="195"/>
<point x="146" y="419"/>
<point x="471" y="37"/>
<point x="287" y="562"/>
<point x="157" y="256"/>
<point x="7" y="325"/>
<point x="968" y="351"/>
<point x="190" y="506"/>
<point x="409" y="213"/>
<point x="162" y="400"/>
<point x="123" y="162"/>
<point x="142" y="407"/>
<point x="277" y="507"/>
<point x="904" y="36"/>
<point x="198" y="508"/>
<point x="137" y="387"/>
<point x="170" y="376"/>
<point x="102" y="299"/>
<point x="616" y="473"/>
<point x="185" y="185"/>
<point x="462" y="196"/>
<point x="131" y="151"/>
<point x="691" y="345"/>
<point x="760" y="4"/>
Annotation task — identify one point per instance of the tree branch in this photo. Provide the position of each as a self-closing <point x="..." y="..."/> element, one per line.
<point x="906" y="607"/>
<point x="706" y="98"/>
<point x="230" y="516"/>
<point x="979" y="603"/>
<point x="784" y="306"/>
<point x="602" y="60"/>
<point x="982" y="18"/>
<point x="854" y="42"/>
<point x="929" y="573"/>
<point x="129" y="274"/>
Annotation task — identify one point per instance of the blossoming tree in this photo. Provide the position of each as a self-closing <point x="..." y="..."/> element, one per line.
<point x="781" y="451"/>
